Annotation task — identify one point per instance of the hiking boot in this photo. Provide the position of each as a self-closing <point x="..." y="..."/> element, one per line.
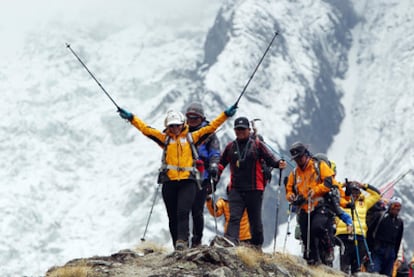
<point x="195" y="245"/>
<point x="328" y="256"/>
<point x="314" y="262"/>
<point x="180" y="245"/>
<point x="220" y="241"/>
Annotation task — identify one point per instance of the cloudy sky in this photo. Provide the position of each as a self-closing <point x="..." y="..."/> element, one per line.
<point x="19" y="16"/>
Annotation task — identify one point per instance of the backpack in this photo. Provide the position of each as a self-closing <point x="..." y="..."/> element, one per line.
<point x="266" y="170"/>
<point x="375" y="212"/>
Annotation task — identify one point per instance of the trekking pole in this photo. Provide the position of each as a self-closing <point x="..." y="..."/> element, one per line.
<point x="152" y="207"/>
<point x="371" y="262"/>
<point x="308" y="233"/>
<point x="288" y="227"/>
<point x="90" y="73"/>
<point x="354" y="229"/>
<point x="254" y="72"/>
<point x="213" y="200"/>
<point x="277" y="210"/>
<point x="277" y="153"/>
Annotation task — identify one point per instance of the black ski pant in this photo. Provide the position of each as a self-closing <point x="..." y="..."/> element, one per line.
<point x="197" y="212"/>
<point x="349" y="260"/>
<point x="319" y="220"/>
<point x="178" y="197"/>
<point x="251" y="201"/>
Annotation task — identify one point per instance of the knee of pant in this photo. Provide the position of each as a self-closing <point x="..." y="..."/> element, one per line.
<point x="197" y="214"/>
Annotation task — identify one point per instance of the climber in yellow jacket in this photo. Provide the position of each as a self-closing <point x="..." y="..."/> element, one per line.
<point x="358" y="211"/>
<point x="178" y="173"/>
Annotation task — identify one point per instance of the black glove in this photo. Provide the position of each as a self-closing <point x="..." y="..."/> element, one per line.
<point x="348" y="189"/>
<point x="299" y="200"/>
<point x="214" y="171"/>
<point x="210" y="188"/>
<point x="350" y="205"/>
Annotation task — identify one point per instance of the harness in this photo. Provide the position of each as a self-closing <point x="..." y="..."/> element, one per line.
<point x="193" y="169"/>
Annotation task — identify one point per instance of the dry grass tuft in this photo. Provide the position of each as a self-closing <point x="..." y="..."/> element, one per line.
<point x="249" y="256"/>
<point x="320" y="271"/>
<point x="298" y="267"/>
<point x="295" y="265"/>
<point x="78" y="270"/>
<point x="147" y="246"/>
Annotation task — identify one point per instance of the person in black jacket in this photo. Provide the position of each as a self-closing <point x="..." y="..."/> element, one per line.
<point x="247" y="182"/>
<point x="387" y="235"/>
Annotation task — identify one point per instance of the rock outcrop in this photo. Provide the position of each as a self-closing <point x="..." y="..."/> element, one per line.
<point x="147" y="261"/>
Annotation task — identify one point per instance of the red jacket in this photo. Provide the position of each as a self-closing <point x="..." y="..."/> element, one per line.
<point x="245" y="158"/>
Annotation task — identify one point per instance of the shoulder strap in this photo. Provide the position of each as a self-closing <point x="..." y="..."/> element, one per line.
<point x="294" y="187"/>
<point x="374" y="234"/>
<point x="257" y="146"/>
<point x="164" y="152"/>
<point x="193" y="147"/>
<point x="317" y="166"/>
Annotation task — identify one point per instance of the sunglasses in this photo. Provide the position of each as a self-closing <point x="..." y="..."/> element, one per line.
<point x="193" y="117"/>
<point x="240" y="129"/>
<point x="174" y="125"/>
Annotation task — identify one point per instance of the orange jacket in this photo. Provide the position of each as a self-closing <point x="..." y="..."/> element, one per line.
<point x="307" y="179"/>
<point x="222" y="207"/>
<point x="178" y="152"/>
<point x="344" y="200"/>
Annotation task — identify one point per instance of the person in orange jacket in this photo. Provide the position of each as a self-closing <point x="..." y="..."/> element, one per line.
<point x="411" y="272"/>
<point x="306" y="188"/>
<point x="401" y="266"/>
<point x="223" y="208"/>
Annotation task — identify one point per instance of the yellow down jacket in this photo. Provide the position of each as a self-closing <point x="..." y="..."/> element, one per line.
<point x="178" y="153"/>
<point x="362" y="205"/>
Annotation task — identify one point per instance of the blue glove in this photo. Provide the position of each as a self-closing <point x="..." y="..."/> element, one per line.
<point x="230" y="111"/>
<point x="346" y="218"/>
<point x="125" y="114"/>
<point x="214" y="171"/>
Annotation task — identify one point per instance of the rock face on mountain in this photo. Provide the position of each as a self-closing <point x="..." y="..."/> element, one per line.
<point x="202" y="261"/>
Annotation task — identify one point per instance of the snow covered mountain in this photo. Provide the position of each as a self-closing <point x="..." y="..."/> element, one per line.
<point x="78" y="181"/>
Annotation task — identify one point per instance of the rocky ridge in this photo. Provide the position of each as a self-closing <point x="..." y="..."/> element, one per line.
<point x="150" y="261"/>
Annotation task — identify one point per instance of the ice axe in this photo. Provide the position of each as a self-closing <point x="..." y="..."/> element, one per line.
<point x="253" y="122"/>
